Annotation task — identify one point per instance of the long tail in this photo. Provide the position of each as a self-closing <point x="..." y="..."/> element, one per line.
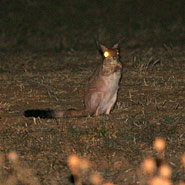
<point x="52" y="114"/>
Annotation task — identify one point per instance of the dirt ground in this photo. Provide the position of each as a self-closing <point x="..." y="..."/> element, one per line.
<point x="151" y="103"/>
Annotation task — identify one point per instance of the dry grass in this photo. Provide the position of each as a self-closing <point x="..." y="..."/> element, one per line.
<point x="150" y="104"/>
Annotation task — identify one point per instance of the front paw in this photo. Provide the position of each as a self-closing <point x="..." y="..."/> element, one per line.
<point x="118" y="68"/>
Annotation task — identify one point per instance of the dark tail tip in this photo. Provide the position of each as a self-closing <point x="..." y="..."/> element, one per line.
<point x="39" y="113"/>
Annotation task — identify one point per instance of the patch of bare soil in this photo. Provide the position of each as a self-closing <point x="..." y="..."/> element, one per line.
<point x="151" y="103"/>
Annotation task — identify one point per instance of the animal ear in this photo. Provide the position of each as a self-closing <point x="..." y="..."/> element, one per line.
<point x="115" y="46"/>
<point x="100" y="47"/>
<point x="103" y="48"/>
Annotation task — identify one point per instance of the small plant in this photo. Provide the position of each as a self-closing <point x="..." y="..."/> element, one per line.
<point x="81" y="167"/>
<point x="153" y="171"/>
<point x="12" y="172"/>
<point x="156" y="170"/>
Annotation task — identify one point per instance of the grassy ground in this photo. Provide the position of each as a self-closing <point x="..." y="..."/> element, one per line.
<point x="47" y="56"/>
<point x="150" y="104"/>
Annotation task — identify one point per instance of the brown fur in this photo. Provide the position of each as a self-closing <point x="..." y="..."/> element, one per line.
<point x="101" y="91"/>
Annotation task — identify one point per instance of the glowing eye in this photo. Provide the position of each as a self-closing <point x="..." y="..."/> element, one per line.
<point x="106" y="54"/>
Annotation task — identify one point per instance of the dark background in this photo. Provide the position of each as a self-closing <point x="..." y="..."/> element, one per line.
<point x="47" y="55"/>
<point x="61" y="24"/>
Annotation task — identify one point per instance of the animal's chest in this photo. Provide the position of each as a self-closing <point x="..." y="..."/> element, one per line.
<point x="111" y="84"/>
<point x="106" y="83"/>
<point x="109" y="92"/>
<point x="111" y="80"/>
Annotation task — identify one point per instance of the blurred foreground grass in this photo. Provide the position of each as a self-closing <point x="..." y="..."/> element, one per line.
<point x="153" y="170"/>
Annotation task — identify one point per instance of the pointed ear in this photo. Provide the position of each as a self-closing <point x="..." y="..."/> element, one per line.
<point x="103" y="48"/>
<point x="100" y="47"/>
<point x="115" y="46"/>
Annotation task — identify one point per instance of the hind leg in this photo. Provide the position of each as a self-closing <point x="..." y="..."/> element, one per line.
<point x="93" y="102"/>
